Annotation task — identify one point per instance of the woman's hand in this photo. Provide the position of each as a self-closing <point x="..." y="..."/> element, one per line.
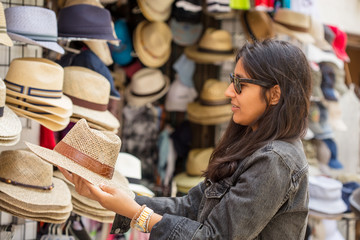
<point x="110" y="198"/>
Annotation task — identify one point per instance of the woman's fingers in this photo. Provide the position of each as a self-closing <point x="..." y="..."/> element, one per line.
<point x="108" y="189"/>
<point x="66" y="174"/>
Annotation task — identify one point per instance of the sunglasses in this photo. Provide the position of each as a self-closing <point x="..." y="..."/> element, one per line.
<point x="236" y="80"/>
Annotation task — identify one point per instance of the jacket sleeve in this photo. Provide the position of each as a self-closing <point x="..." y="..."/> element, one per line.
<point x="186" y="206"/>
<point x="242" y="211"/>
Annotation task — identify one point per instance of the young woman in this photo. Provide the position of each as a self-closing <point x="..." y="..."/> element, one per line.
<point x="256" y="183"/>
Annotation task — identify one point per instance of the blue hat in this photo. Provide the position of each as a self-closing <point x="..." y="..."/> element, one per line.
<point x="185" y="69"/>
<point x="185" y="34"/>
<point x="334" y="162"/>
<point x="328" y="82"/>
<point x="122" y="54"/>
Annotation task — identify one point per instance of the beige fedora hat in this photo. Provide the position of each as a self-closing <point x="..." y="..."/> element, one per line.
<point x="294" y="24"/>
<point x="75" y="119"/>
<point x="198" y="161"/>
<point x="147" y="85"/>
<point x="101" y="49"/>
<point x="36" y="107"/>
<point x="214" y="46"/>
<point x="89" y="153"/>
<point x="185" y="182"/>
<point x="4" y="37"/>
<point x="26" y="177"/>
<point x="37" y="79"/>
<point x="152" y="43"/>
<point x="257" y="25"/>
<point x="10" y="125"/>
<point x="89" y="92"/>
<point x="213" y="107"/>
<point x="155" y="10"/>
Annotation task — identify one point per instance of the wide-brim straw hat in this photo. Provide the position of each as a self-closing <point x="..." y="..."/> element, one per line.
<point x="101" y="49"/>
<point x="24" y="167"/>
<point x="257" y="25"/>
<point x="89" y="102"/>
<point x="294" y="24"/>
<point x="4" y="37"/>
<point x="38" y="80"/>
<point x="147" y="85"/>
<point x="152" y="43"/>
<point x="198" y="161"/>
<point x="33" y="25"/>
<point x="9" y="141"/>
<point x="155" y="10"/>
<point x="214" y="46"/>
<point x="92" y="216"/>
<point x="185" y="182"/>
<point x="41" y="108"/>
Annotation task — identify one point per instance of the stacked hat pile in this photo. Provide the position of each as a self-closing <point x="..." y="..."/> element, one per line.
<point x="196" y="164"/>
<point x="89" y="92"/>
<point x="35" y="91"/>
<point x="28" y="190"/>
<point x="213" y="107"/>
<point x="10" y="125"/>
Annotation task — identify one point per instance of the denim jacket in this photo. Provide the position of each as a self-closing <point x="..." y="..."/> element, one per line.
<point x="265" y="198"/>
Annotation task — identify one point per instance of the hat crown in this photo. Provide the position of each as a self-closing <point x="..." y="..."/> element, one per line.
<point x="147" y="81"/>
<point x="2" y="93"/>
<point x="292" y="18"/>
<point x="97" y="88"/>
<point x="2" y="16"/>
<point x="31" y="20"/>
<point x="215" y="39"/>
<point x="156" y="37"/>
<point x="324" y="188"/>
<point x="213" y="90"/>
<point x="260" y="24"/>
<point x="198" y="161"/>
<point x="23" y="166"/>
<point x="89" y="2"/>
<point x="159" y="5"/>
<point x="102" y="146"/>
<point x="36" y="73"/>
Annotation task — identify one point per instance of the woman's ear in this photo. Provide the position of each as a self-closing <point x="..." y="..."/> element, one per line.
<point x="275" y="93"/>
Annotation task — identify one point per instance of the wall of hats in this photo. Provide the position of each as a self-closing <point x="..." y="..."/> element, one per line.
<point x="152" y="73"/>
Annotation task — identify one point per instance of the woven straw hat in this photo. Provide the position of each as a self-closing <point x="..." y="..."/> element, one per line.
<point x="147" y="85"/>
<point x="214" y="107"/>
<point x="155" y="10"/>
<point x="10" y="125"/>
<point x="185" y="182"/>
<point x="215" y="45"/>
<point x="257" y="25"/>
<point x="9" y="141"/>
<point x="152" y="43"/>
<point x="92" y="216"/>
<point x="294" y="24"/>
<point x="33" y="25"/>
<point x="4" y="37"/>
<point x="75" y="119"/>
<point x="89" y="153"/>
<point x="38" y="80"/>
<point x="24" y="167"/>
<point x="89" y="92"/>
<point x="41" y="108"/>
<point x="198" y="161"/>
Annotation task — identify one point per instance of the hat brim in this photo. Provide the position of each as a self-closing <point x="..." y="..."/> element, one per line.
<point x="6" y="40"/>
<point x="58" y="196"/>
<point x="10" y="124"/>
<point x="303" y="37"/>
<point x="57" y="159"/>
<point x="92" y="125"/>
<point x="152" y="15"/>
<point x="208" y="115"/>
<point x="9" y="142"/>
<point x="63" y="113"/>
<point x="143" y="55"/>
<point x="93" y="217"/>
<point x="46" y="123"/>
<point x="186" y="181"/>
<point x="93" y="211"/>
<point x="204" y="57"/>
<point x="328" y="207"/>
<point x="141" y="101"/>
<point x="34" y="207"/>
<point x="49" y="45"/>
<point x="104" y="119"/>
<point x="64" y="102"/>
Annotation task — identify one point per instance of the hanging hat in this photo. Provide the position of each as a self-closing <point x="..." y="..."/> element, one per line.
<point x="98" y="151"/>
<point x="317" y="31"/>
<point x="198" y="161"/>
<point x="152" y="43"/>
<point x="185" y="69"/>
<point x="27" y="178"/>
<point x="128" y="165"/>
<point x="85" y="21"/>
<point x="147" y="85"/>
<point x="90" y="102"/>
<point x="4" y="37"/>
<point x="214" y="107"/>
<point x="93" y="125"/>
<point x="122" y="54"/>
<point x="39" y="80"/>
<point x="179" y="96"/>
<point x="339" y="43"/>
<point x="317" y="55"/>
<point x="189" y="11"/>
<point x="325" y="195"/>
<point x="184" y="33"/>
<point x="257" y="25"/>
<point x="155" y="10"/>
<point x="215" y="46"/>
<point x="10" y="125"/>
<point x="33" y="25"/>
<point x="354" y="201"/>
<point x="101" y="49"/>
<point x="294" y="24"/>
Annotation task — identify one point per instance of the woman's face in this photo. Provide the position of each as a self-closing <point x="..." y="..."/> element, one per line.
<point x="249" y="105"/>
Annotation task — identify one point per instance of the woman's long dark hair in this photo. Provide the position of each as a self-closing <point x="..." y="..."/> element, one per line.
<point x="280" y="63"/>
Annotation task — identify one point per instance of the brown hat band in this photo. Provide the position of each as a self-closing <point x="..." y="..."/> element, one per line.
<point x="8" y="181"/>
<point x="86" y="104"/>
<point x="149" y="94"/>
<point x="33" y="92"/>
<point x="206" y="50"/>
<point x="294" y="28"/>
<point x="215" y="103"/>
<point x="84" y="160"/>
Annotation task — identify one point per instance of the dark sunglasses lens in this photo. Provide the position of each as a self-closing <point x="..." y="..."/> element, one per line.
<point x="236" y="83"/>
